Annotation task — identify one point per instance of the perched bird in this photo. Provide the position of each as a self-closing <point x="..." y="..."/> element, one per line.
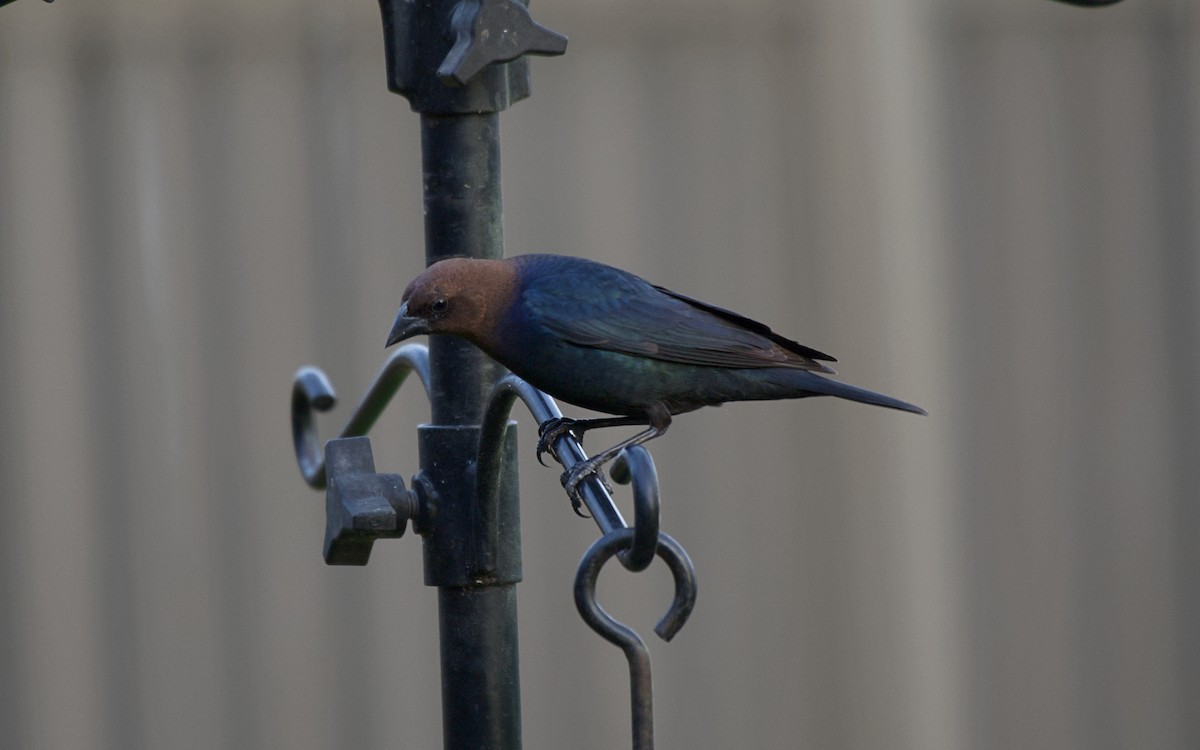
<point x="607" y="340"/>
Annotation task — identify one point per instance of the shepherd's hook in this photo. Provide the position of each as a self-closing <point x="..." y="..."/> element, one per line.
<point x="311" y="391"/>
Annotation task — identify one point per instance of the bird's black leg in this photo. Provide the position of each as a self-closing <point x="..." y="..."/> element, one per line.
<point x="659" y="420"/>
<point x="552" y="429"/>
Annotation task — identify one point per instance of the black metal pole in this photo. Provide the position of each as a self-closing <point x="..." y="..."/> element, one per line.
<point x="481" y="703"/>
<point x="461" y="166"/>
<point x="460" y="63"/>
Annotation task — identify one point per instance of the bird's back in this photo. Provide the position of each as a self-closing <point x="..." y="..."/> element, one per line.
<point x="593" y="305"/>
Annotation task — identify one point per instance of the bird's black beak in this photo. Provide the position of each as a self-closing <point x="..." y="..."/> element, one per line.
<point x="406" y="327"/>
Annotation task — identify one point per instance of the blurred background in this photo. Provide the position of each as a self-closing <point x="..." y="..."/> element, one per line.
<point x="985" y="207"/>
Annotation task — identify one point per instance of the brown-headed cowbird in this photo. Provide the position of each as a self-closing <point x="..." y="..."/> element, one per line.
<point x="604" y="339"/>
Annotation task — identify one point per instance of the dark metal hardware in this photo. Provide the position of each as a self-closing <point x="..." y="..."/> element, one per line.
<point x="494" y="31"/>
<point x="596" y="497"/>
<point x="624" y="637"/>
<point x="363" y="505"/>
<point x="452" y="539"/>
<point x="311" y="391"/>
<point x="482" y="72"/>
<point x="460" y="165"/>
<point x="635" y="466"/>
<point x="635" y="547"/>
<point x="425" y="49"/>
<point x="360" y="505"/>
<point x="6" y="2"/>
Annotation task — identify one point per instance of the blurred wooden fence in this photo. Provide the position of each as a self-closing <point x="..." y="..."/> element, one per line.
<point x="988" y="208"/>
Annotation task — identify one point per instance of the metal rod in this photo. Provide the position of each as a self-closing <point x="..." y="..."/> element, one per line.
<point x="632" y="466"/>
<point x="481" y="705"/>
<point x="509" y="388"/>
<point x="461" y="167"/>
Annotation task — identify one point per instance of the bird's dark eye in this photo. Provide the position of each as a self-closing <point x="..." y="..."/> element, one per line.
<point x="439" y="306"/>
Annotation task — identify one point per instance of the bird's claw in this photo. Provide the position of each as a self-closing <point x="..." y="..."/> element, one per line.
<point x="549" y="432"/>
<point x="571" y="481"/>
<point x="576" y="500"/>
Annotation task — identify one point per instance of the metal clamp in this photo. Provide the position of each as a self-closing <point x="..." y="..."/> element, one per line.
<point x="360" y="504"/>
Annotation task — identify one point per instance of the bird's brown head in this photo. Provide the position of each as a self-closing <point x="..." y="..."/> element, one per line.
<point x="458" y="296"/>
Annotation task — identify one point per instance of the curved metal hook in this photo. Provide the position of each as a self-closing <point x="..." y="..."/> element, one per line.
<point x="635" y="465"/>
<point x="622" y="635"/>
<point x="672" y="553"/>
<point x="311" y="391"/>
<point x="495" y="420"/>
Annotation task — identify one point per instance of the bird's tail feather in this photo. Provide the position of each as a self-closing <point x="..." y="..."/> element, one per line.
<point x="818" y="385"/>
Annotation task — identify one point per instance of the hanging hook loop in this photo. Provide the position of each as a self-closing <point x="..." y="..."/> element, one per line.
<point x="624" y="637"/>
<point x="311" y="391"/>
